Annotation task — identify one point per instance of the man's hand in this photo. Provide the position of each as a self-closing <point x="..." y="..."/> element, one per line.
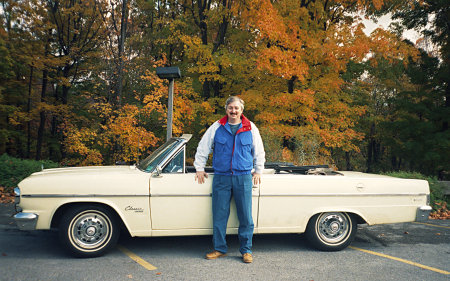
<point x="256" y="179"/>
<point x="200" y="176"/>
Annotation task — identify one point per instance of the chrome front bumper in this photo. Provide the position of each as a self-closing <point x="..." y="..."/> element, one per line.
<point x="26" y="221"/>
<point x="422" y="213"/>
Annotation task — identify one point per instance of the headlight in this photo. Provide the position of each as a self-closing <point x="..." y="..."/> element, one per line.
<point x="17" y="195"/>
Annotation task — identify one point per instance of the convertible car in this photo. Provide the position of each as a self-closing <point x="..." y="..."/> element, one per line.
<point x="159" y="197"/>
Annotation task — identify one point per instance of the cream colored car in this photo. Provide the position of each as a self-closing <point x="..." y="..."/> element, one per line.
<point x="159" y="197"/>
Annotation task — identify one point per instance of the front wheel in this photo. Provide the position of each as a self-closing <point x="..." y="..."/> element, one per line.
<point x="88" y="231"/>
<point x="331" y="231"/>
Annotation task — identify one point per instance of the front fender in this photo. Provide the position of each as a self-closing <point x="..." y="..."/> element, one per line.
<point x="134" y="211"/>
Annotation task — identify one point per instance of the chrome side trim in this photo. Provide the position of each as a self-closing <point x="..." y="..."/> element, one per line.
<point x="342" y="194"/>
<point x="181" y="195"/>
<point x="80" y="195"/>
<point x="210" y="194"/>
<point x="186" y="195"/>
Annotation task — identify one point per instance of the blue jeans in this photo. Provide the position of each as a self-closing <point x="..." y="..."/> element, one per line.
<point x="241" y="188"/>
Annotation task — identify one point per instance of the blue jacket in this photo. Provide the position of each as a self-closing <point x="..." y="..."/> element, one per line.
<point x="232" y="155"/>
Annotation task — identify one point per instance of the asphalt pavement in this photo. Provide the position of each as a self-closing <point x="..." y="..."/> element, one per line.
<point x="404" y="251"/>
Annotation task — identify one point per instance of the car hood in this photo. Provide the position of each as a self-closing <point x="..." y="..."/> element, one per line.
<point x="85" y="170"/>
<point x="100" y="180"/>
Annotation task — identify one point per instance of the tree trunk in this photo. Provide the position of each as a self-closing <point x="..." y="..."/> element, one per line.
<point x="30" y="84"/>
<point x="206" y="89"/>
<point x="291" y="84"/>
<point x="394" y="162"/>
<point x="40" y="135"/>
<point x="123" y="32"/>
<point x="52" y="153"/>
<point x="42" y="116"/>
<point x="447" y="106"/>
<point x="347" y="161"/>
<point x="370" y="149"/>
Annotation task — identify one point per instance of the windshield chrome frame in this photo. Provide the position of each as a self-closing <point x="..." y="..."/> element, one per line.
<point x="160" y="166"/>
<point x="172" y="155"/>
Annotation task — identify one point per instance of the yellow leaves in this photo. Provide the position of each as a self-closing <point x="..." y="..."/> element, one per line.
<point x="103" y="109"/>
<point x="205" y="63"/>
<point x="287" y="155"/>
<point x="18" y="118"/>
<point x="194" y="49"/>
<point x="79" y="141"/>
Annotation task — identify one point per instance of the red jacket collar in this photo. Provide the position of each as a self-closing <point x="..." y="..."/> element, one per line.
<point x="246" y="125"/>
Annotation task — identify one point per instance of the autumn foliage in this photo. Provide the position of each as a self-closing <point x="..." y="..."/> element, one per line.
<point x="78" y="82"/>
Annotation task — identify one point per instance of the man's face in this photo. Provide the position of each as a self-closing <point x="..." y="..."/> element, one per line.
<point x="234" y="112"/>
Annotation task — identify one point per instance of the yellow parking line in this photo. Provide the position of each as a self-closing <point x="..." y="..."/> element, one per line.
<point x="402" y="260"/>
<point x="136" y="258"/>
<point x="432" y="224"/>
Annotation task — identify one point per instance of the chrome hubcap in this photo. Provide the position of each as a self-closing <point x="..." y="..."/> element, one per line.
<point x="90" y="230"/>
<point x="333" y="227"/>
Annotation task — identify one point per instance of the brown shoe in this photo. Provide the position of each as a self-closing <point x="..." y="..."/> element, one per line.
<point x="247" y="258"/>
<point x="214" y="255"/>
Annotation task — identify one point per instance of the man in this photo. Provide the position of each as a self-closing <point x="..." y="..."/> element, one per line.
<point x="237" y="148"/>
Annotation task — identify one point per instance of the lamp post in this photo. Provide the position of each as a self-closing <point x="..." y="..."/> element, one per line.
<point x="169" y="73"/>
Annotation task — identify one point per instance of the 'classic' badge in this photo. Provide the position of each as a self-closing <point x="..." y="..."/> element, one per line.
<point x="135" y="209"/>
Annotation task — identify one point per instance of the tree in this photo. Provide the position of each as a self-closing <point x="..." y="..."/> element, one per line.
<point x="307" y="46"/>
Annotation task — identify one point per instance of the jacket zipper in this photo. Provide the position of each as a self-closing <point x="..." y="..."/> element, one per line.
<point x="232" y="153"/>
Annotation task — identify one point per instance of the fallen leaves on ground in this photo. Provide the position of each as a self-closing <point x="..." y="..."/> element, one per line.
<point x="6" y="196"/>
<point x="442" y="213"/>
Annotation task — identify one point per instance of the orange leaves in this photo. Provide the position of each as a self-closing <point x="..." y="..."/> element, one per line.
<point x="121" y="129"/>
<point x="287" y="155"/>
<point x="308" y="46"/>
<point x="125" y="130"/>
<point x="185" y="108"/>
<point x="283" y="106"/>
<point x="442" y="212"/>
<point x="282" y="63"/>
<point x="390" y="47"/>
<point x="279" y="40"/>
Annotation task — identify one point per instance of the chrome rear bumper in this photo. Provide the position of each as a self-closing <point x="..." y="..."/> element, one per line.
<point x="26" y="221"/>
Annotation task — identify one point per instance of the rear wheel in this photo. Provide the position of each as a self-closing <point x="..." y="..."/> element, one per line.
<point x="88" y="231"/>
<point x="331" y="231"/>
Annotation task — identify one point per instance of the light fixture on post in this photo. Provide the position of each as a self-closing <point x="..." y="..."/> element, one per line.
<point x="169" y="73"/>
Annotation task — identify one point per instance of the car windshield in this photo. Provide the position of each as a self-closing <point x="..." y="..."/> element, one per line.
<point x="150" y="163"/>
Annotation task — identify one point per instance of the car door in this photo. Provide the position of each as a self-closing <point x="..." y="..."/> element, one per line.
<point x="179" y="203"/>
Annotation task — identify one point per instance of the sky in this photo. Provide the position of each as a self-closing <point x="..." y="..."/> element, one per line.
<point x="384" y="22"/>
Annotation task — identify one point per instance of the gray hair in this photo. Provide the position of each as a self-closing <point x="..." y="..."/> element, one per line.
<point x="233" y="99"/>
